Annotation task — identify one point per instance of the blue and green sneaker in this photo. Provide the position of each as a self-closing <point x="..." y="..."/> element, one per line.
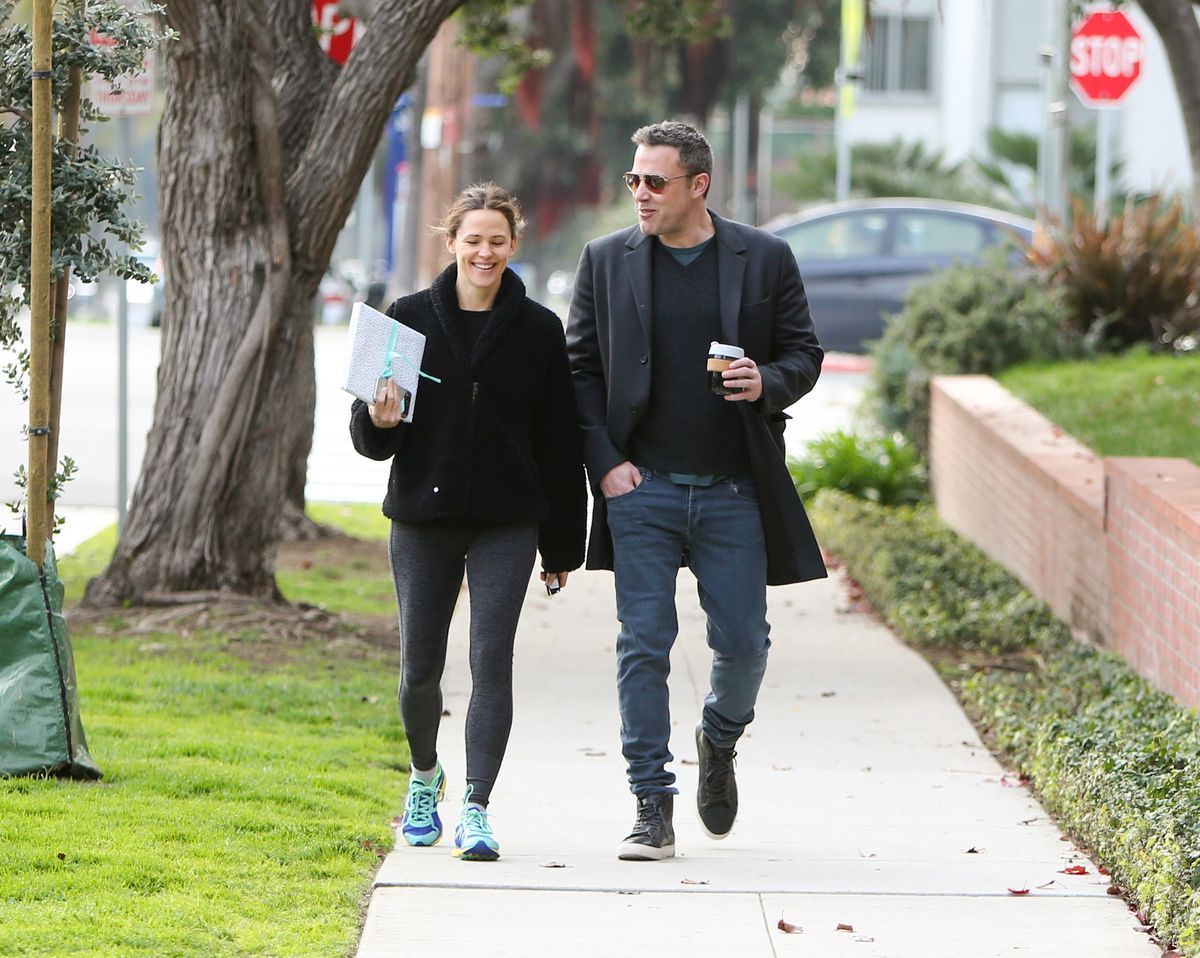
<point x="421" y="825"/>
<point x="473" y="839"/>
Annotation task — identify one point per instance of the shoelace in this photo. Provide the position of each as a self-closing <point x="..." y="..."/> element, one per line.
<point x="422" y="802"/>
<point x="475" y="820"/>
<point x="649" y="814"/>
<point x="716" y="777"/>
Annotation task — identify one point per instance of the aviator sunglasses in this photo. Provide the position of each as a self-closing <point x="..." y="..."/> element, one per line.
<point x="655" y="182"/>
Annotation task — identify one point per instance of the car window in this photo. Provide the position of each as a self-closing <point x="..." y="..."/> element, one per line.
<point x="924" y="233"/>
<point x="842" y="236"/>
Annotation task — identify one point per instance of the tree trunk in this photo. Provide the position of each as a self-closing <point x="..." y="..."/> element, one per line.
<point x="259" y="163"/>
<point x="1177" y="27"/>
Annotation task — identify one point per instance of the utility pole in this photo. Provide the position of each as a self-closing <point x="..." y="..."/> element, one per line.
<point x="1052" y="156"/>
<point x="848" y="74"/>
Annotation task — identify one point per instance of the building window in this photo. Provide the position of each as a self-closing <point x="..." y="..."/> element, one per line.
<point x="898" y="53"/>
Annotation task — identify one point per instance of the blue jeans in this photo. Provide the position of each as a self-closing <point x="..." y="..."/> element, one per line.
<point x="719" y="530"/>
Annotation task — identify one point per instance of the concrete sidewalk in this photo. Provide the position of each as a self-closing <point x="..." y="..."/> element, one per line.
<point x="867" y="801"/>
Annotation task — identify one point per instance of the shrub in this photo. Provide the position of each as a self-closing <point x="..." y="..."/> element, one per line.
<point x="1133" y="280"/>
<point x="932" y="586"/>
<point x="967" y="319"/>
<point x="883" y="469"/>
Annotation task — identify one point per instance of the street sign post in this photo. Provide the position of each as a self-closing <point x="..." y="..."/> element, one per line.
<point x="1106" y="60"/>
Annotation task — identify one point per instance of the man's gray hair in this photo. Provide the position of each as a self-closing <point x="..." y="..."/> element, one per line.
<point x="695" y="155"/>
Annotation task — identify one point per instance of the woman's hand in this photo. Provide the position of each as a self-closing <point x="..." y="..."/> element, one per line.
<point x="549" y="577"/>
<point x="385" y="410"/>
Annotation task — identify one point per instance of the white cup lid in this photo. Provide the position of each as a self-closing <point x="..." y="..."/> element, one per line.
<point x="726" y="351"/>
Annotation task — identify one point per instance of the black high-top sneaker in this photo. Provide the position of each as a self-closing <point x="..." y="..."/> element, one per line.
<point x="716" y="792"/>
<point x="653" y="837"/>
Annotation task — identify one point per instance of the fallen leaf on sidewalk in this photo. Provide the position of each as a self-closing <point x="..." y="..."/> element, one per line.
<point x="694" y="881"/>
<point x="842" y="926"/>
<point x="828" y="695"/>
<point x="1073" y="870"/>
<point x="1008" y="783"/>
<point x="974" y="851"/>
<point x="788" y="928"/>
<point x="1048" y="884"/>
<point x="554" y="865"/>
<point x="1113" y="890"/>
<point x="1103" y="871"/>
<point x="1018" y="891"/>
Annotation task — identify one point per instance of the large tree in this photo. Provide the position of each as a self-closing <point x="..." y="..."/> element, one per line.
<point x="262" y="147"/>
<point x="1177" y="26"/>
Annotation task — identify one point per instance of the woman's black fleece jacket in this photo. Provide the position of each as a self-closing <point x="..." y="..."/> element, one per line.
<point x="498" y="439"/>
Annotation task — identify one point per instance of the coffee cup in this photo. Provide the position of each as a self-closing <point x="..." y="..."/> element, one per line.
<point x="720" y="355"/>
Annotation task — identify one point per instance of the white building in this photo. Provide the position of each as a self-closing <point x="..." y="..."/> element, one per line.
<point x="943" y="71"/>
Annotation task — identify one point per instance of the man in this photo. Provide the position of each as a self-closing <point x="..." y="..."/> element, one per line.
<point x="681" y="475"/>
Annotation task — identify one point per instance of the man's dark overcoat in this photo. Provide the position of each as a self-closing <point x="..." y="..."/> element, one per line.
<point x="763" y="309"/>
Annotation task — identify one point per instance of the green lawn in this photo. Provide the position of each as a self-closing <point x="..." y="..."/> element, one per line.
<point x="1132" y="405"/>
<point x="245" y="800"/>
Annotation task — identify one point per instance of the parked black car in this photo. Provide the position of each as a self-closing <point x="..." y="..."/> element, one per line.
<point x="859" y="258"/>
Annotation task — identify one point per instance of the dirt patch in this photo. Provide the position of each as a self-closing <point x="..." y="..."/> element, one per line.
<point x="264" y="633"/>
<point x="333" y="550"/>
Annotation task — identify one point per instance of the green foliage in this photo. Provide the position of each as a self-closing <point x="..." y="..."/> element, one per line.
<point x="490" y="30"/>
<point x="967" y="319"/>
<point x="1117" y="762"/>
<point x="883" y="469"/>
<point x="1114" y="760"/>
<point x="1012" y="166"/>
<point x="677" y="21"/>
<point x="1151" y="402"/>
<point x="1132" y="280"/>
<point x="933" y="587"/>
<point x="242" y="811"/>
<point x="89" y="190"/>
<point x="891" y="169"/>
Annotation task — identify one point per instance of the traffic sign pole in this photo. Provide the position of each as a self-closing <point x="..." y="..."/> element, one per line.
<point x="1106" y="60"/>
<point x="1104" y="137"/>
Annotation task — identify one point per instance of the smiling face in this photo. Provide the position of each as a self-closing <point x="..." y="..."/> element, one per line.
<point x="674" y="214"/>
<point x="482" y="247"/>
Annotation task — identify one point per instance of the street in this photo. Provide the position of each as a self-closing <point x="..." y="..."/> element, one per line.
<point x="335" y="472"/>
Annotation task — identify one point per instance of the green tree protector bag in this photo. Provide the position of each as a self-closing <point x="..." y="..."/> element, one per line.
<point x="40" y="728"/>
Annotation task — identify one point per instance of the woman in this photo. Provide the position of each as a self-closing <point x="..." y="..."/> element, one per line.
<point x="488" y="471"/>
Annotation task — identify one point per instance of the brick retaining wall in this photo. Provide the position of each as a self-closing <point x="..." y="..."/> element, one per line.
<point x="1111" y="545"/>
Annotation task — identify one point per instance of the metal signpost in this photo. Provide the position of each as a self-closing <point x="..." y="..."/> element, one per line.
<point x="136" y="98"/>
<point x="1106" y="60"/>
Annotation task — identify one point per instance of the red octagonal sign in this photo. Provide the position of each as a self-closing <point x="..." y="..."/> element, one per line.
<point x="1106" y="58"/>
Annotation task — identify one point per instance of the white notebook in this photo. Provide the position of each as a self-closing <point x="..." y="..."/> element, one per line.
<point x="377" y="346"/>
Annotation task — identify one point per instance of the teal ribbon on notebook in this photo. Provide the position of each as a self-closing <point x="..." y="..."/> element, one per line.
<point x="392" y="354"/>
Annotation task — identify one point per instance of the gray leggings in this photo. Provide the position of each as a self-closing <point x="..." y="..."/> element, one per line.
<point x="428" y="564"/>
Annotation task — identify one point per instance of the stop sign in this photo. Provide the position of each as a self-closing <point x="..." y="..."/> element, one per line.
<point x="336" y="34"/>
<point x="1106" y="58"/>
